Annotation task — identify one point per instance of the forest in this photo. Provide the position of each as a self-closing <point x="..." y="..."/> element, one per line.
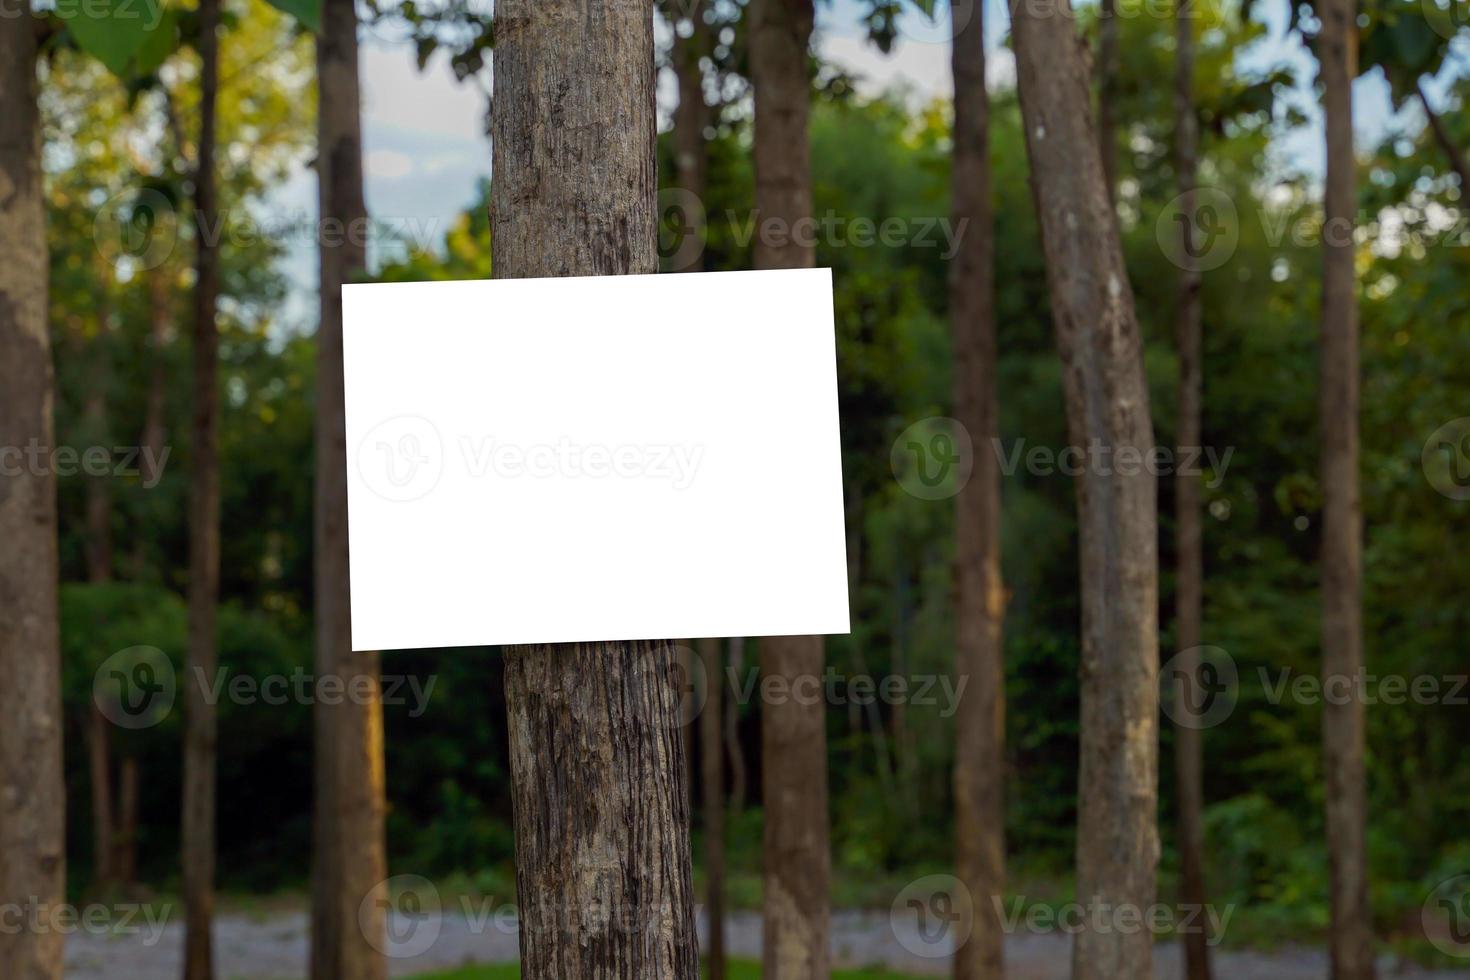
<point x="1154" y="383"/>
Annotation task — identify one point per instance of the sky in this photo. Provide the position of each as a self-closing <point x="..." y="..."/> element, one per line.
<point x="425" y="150"/>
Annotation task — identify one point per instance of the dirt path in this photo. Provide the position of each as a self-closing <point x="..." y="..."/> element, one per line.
<point x="275" y="948"/>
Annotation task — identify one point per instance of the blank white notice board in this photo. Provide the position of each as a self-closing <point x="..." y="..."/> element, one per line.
<point x="608" y="458"/>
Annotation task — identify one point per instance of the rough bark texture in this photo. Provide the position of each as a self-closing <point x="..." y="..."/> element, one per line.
<point x="599" y="781"/>
<point x="712" y="769"/>
<point x="348" y="927"/>
<point x="200" y="720"/>
<point x="979" y="774"/>
<point x="795" y="927"/>
<point x="1446" y="143"/>
<point x="1189" y="573"/>
<point x="1107" y="400"/>
<point x="1107" y="85"/>
<point x="1350" y="938"/>
<point x="32" y="795"/>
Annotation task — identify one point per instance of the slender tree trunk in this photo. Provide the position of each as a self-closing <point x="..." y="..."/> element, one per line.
<point x="711" y="726"/>
<point x="125" y="860"/>
<point x="795" y="925"/>
<point x="1107" y="91"/>
<point x="1350" y="937"/>
<point x="691" y="156"/>
<point x="99" y="766"/>
<point x="739" y="777"/>
<point x="598" y="772"/>
<point x="1455" y="155"/>
<point x="99" y="490"/>
<point x="200" y="720"/>
<point x="351" y="793"/>
<point x="32" y="792"/>
<point x="1107" y="401"/>
<point x="979" y="773"/>
<point x="1189" y="575"/>
<point x="160" y="324"/>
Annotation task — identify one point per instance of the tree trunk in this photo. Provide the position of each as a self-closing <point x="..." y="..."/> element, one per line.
<point x="99" y="489"/>
<point x="1107" y="91"/>
<point x="1107" y="401"/>
<point x="1455" y="155"/>
<point x="1189" y="575"/>
<point x="793" y="736"/>
<point x="599" y="777"/>
<point x="99" y="766"/>
<point x="691" y="157"/>
<point x="348" y="924"/>
<point x="739" y="777"/>
<point x="155" y="420"/>
<point x="32" y="792"/>
<point x="979" y="773"/>
<point x="1350" y="938"/>
<point x="711" y="726"/>
<point x="125" y="859"/>
<point x="200" y="720"/>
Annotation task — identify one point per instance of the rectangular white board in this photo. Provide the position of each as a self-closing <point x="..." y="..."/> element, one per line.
<point x="602" y="458"/>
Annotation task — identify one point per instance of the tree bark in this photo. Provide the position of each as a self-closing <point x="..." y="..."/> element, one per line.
<point x="155" y="420"/>
<point x="739" y="777"/>
<point x="599" y="777"/>
<point x="1107" y="91"/>
<point x="795" y="925"/>
<point x="1350" y="937"/>
<point x="1455" y="155"/>
<point x="979" y="773"/>
<point x="1189" y="574"/>
<point x="99" y="768"/>
<point x="712" y="768"/>
<point x="1107" y="401"/>
<point x="200" y="720"/>
<point x="32" y="792"/>
<point x="125" y="859"/>
<point x="348" y="918"/>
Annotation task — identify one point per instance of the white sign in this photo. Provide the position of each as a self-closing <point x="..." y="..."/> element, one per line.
<point x="609" y="458"/>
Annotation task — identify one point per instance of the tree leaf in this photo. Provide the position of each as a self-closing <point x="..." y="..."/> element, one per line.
<point x="112" y="31"/>
<point x="308" y="12"/>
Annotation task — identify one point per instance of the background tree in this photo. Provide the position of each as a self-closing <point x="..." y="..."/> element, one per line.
<point x="32" y="794"/>
<point x="980" y="769"/>
<point x="351" y="781"/>
<point x="579" y="199"/>
<point x="796" y="917"/>
<point x="1189" y="551"/>
<point x="1343" y="719"/>
<point x="1107" y="404"/>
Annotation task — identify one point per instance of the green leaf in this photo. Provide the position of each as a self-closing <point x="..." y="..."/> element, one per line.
<point x="308" y="12"/>
<point x="159" y="44"/>
<point x="112" y="31"/>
